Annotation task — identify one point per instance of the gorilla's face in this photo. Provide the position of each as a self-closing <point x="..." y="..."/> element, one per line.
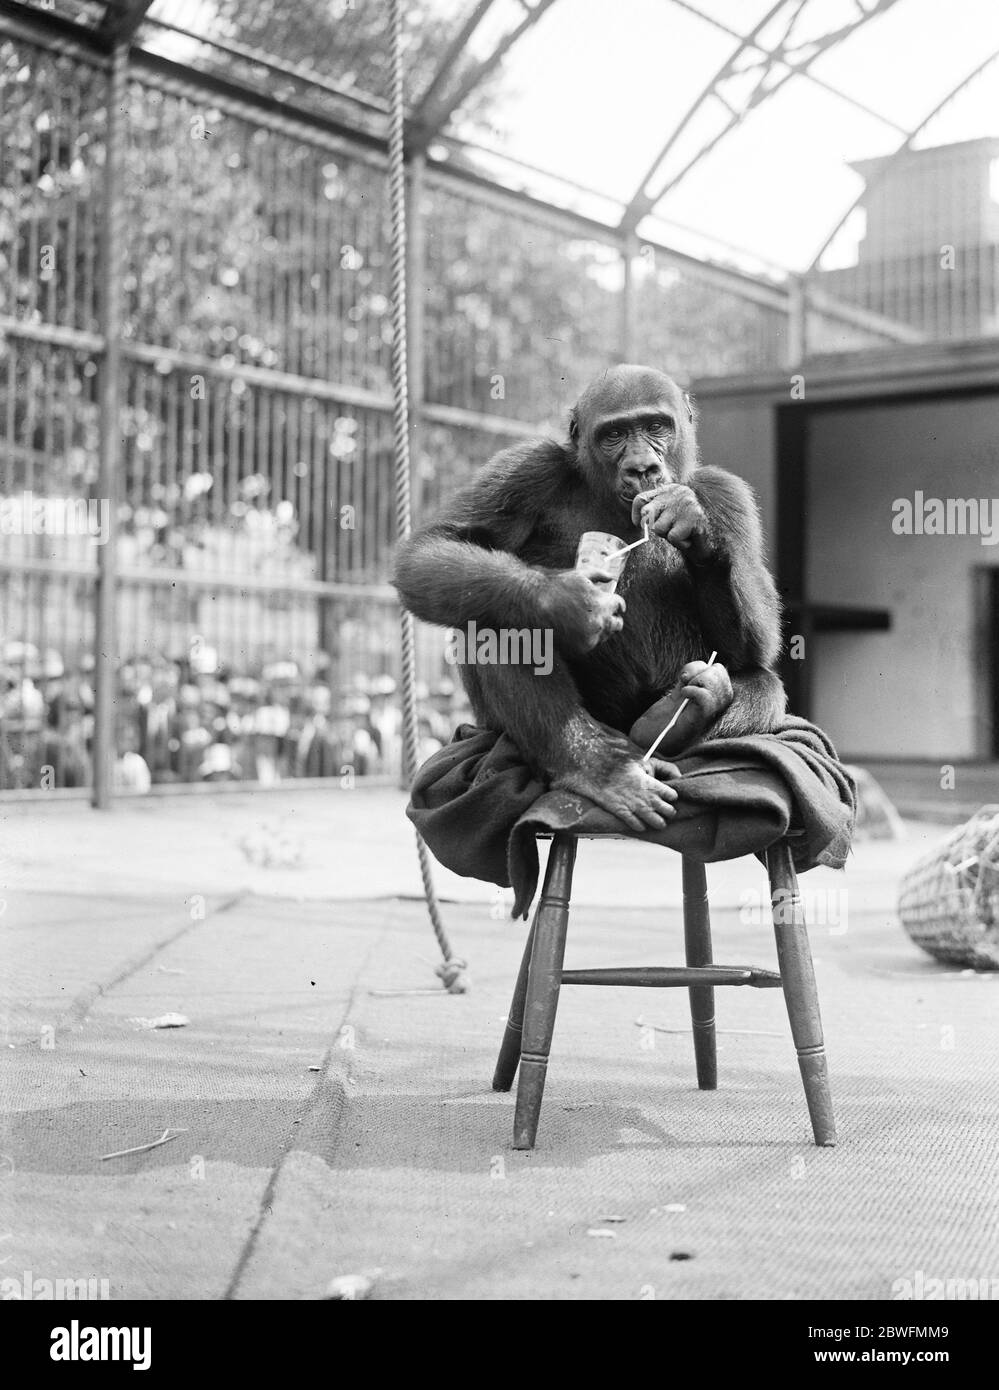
<point x="633" y="432"/>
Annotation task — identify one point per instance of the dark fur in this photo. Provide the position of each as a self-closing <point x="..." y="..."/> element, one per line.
<point x="491" y="554"/>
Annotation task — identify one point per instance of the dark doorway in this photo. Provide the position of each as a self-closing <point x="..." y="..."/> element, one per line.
<point x="804" y="616"/>
<point x="987" y="658"/>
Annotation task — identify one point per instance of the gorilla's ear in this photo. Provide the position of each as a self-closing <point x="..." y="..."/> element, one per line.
<point x="690" y="406"/>
<point x="573" y="426"/>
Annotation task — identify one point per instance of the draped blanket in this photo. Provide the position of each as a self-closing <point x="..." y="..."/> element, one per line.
<point x="480" y="807"/>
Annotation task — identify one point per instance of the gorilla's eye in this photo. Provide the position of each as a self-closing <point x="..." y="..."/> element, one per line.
<point x="663" y="426"/>
<point x="613" y="435"/>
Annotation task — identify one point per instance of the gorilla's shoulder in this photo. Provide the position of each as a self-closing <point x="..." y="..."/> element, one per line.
<point x="530" y="472"/>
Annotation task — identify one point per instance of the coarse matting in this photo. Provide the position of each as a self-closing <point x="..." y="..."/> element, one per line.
<point x="394" y="1156"/>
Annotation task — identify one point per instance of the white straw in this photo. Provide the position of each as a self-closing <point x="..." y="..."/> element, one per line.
<point x="625" y="548"/>
<point x="683" y="704"/>
<point x="634" y="545"/>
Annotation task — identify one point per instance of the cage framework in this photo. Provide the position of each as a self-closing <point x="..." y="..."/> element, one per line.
<point x="949" y="901"/>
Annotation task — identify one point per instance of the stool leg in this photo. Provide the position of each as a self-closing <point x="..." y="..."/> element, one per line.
<point x="509" y="1055"/>
<point x="543" y="982"/>
<point x="798" y="977"/>
<point x="697" y="942"/>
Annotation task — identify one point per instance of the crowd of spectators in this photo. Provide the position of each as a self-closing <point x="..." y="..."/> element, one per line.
<point x="192" y="719"/>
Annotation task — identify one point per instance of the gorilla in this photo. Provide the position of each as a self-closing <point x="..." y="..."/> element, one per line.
<point x="501" y="554"/>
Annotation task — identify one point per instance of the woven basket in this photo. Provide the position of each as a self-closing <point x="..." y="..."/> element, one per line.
<point x="949" y="902"/>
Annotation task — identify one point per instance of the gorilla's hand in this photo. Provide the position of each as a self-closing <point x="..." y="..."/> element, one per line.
<point x="674" y="513"/>
<point x="580" y="614"/>
<point x="708" y="692"/>
<point x="617" y="780"/>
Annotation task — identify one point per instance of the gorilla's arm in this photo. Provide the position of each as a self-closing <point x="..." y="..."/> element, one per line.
<point x="460" y="568"/>
<point x="737" y="604"/>
<point x="712" y="519"/>
<point x="735" y="597"/>
<point x="464" y="568"/>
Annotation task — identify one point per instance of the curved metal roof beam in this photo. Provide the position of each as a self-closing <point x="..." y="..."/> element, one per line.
<point x="645" y="202"/>
<point x="640" y="205"/>
<point x="438" y="106"/>
<point x="453" y="52"/>
<point x="890" y="160"/>
<point x="809" y="77"/>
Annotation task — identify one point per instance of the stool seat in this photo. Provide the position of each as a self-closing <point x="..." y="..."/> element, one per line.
<point x="531" y="1022"/>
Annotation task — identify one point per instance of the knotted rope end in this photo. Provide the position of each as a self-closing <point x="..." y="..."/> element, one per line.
<point x="452" y="973"/>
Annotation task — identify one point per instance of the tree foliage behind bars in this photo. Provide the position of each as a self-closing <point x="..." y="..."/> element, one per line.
<point x="348" y="41"/>
<point x="51" y="155"/>
<point x="255" y="514"/>
<point x="248" y="247"/>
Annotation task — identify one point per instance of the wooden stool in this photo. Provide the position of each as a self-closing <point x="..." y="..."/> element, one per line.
<point x="529" y="1028"/>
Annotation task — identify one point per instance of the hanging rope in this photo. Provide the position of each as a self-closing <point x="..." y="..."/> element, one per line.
<point x="452" y="970"/>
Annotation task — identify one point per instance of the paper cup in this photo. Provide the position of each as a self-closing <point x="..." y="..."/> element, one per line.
<point x="597" y="550"/>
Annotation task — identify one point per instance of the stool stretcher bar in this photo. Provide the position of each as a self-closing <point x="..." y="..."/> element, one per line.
<point x="675" y="976"/>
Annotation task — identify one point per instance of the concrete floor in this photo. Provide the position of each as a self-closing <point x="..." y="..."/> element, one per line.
<point x="331" y="1108"/>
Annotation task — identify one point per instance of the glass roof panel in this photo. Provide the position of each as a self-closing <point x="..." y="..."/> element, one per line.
<point x="669" y="97"/>
<point x="583" y="98"/>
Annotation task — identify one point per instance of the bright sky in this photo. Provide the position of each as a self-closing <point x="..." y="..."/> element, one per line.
<point x="599" y="85"/>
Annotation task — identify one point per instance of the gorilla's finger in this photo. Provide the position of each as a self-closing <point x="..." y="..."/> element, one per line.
<point x="662" y="785"/>
<point x="665" y="794"/>
<point x="639" y="504"/>
<point x="665" y="805"/>
<point x="707" y="680"/>
<point x="630" y="819"/>
<point x="666" y="773"/>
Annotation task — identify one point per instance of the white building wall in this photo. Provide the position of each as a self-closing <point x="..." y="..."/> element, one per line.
<point x="915" y="691"/>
